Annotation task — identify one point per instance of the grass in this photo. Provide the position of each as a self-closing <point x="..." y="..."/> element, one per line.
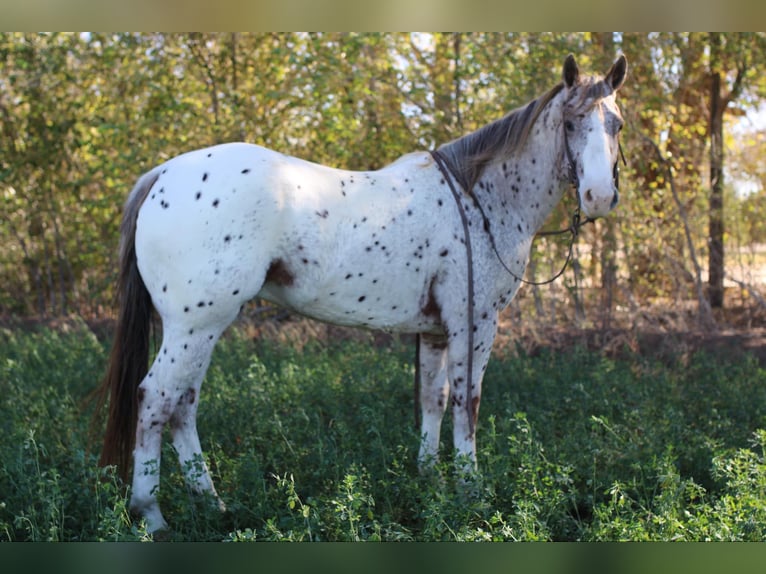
<point x="319" y="444"/>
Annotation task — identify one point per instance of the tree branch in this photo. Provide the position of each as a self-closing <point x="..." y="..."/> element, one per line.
<point x="752" y="291"/>
<point x="706" y="312"/>
<point x="195" y="47"/>
<point x="736" y="87"/>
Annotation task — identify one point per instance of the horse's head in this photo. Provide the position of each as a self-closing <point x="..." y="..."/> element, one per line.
<point x="592" y="123"/>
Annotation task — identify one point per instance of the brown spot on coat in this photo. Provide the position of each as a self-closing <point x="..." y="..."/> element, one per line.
<point x="431" y="307"/>
<point x="279" y="274"/>
<point x="475" y="408"/>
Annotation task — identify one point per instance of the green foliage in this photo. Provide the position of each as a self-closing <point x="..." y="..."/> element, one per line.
<point x="318" y="444"/>
<point x="82" y="115"/>
<point x="668" y="506"/>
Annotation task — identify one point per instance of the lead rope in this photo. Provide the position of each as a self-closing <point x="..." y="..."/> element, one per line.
<point x="469" y="264"/>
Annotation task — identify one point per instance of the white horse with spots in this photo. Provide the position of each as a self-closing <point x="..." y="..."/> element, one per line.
<point x="208" y="230"/>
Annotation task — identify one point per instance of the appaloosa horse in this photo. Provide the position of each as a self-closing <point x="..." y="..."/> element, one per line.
<point x="433" y="244"/>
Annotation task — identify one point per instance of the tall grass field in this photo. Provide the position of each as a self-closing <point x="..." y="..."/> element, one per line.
<point x="318" y="443"/>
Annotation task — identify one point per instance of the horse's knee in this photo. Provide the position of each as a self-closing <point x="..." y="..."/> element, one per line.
<point x="435" y="395"/>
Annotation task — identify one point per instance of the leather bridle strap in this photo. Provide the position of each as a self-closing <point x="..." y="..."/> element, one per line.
<point x="469" y="264"/>
<point x="574" y="179"/>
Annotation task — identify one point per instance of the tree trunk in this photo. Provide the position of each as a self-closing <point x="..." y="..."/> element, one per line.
<point x="715" y="229"/>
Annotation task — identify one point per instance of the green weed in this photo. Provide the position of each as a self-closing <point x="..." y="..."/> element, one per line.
<point x="319" y="444"/>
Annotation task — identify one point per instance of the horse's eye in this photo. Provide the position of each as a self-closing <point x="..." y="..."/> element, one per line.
<point x="569" y="125"/>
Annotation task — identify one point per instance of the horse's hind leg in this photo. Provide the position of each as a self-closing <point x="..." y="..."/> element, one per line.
<point x="183" y="426"/>
<point x="169" y="393"/>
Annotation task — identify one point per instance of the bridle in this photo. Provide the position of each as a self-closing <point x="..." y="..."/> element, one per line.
<point x="577" y="221"/>
<point x="574" y="227"/>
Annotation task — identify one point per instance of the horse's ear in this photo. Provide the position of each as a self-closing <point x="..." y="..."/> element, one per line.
<point x="571" y="71"/>
<point x="615" y="77"/>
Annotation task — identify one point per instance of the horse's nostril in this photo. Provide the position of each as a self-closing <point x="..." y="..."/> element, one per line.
<point x="589" y="195"/>
<point x="615" y="199"/>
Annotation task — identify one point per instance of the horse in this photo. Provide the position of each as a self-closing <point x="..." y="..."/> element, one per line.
<point x="434" y="244"/>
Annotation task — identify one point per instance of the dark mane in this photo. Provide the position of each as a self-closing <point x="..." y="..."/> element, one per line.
<point x="468" y="155"/>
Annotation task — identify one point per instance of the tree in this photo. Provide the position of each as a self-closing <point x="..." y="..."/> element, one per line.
<point x="83" y="115"/>
<point x="732" y="51"/>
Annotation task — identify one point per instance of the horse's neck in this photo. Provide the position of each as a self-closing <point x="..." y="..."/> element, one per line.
<point x="519" y="192"/>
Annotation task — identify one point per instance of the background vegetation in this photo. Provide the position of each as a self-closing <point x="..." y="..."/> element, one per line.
<point x="84" y="114"/>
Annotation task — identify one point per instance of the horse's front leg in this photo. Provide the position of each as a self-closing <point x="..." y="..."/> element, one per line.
<point x="465" y="390"/>
<point x="434" y="392"/>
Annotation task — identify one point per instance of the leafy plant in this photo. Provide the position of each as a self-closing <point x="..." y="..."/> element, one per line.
<point x="319" y="444"/>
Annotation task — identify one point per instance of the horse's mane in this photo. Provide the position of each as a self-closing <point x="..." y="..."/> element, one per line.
<point x="468" y="155"/>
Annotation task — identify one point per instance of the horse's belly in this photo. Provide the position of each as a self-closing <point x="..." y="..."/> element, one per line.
<point x="400" y="311"/>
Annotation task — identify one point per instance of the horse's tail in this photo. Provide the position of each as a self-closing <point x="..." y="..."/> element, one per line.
<point x="129" y="359"/>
